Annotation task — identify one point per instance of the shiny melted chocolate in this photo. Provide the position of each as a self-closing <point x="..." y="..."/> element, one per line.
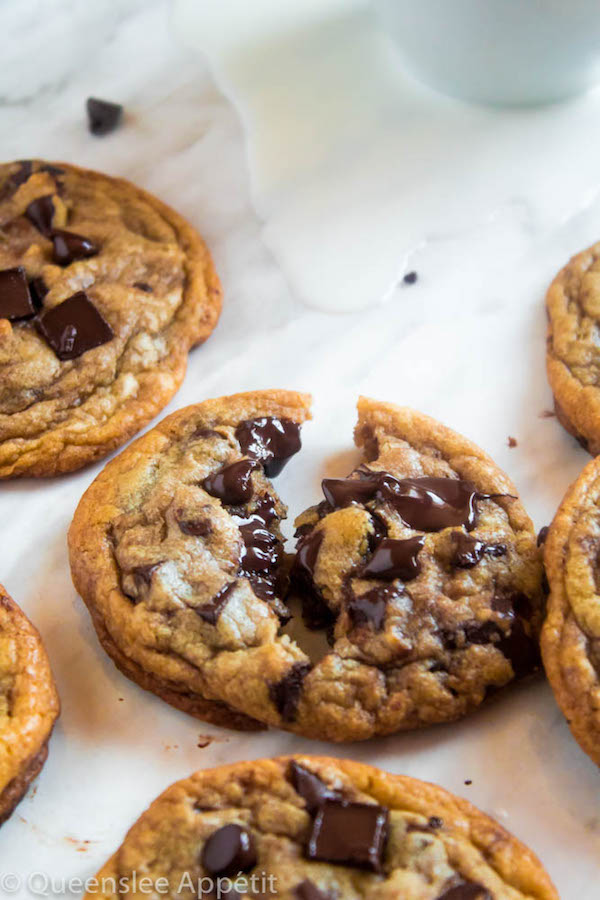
<point x="270" y="441"/>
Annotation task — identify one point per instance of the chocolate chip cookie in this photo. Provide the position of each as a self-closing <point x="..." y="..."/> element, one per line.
<point x="177" y="552"/>
<point x="571" y="632"/>
<point x="28" y="704"/>
<point x="422" y="565"/>
<point x="573" y="306"/>
<point x="103" y="291"/>
<point x="313" y="828"/>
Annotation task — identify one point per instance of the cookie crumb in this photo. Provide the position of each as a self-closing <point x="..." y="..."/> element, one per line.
<point x="512" y="442"/>
<point x="410" y="278"/>
<point x="547" y="414"/>
<point x="204" y="740"/>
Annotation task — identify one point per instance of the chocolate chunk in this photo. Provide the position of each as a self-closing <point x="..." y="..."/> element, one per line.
<point x="261" y="557"/>
<point x="69" y="247"/>
<point x="313" y="791"/>
<point x="144" y="574"/>
<point x="103" y="116"/>
<point x="522" y="650"/>
<point x="142" y="286"/>
<point x="370" y="608"/>
<point x="468" y="890"/>
<point x="380" y="531"/>
<point x="340" y="492"/>
<point x="38" y="290"/>
<point x="426" y="503"/>
<point x="307" y="890"/>
<point x="23" y="173"/>
<point x="307" y="554"/>
<point x="233" y="483"/>
<point x="394" y="559"/>
<point x="468" y="551"/>
<point x="285" y="694"/>
<point x="195" y="527"/>
<point x="410" y="278"/>
<point x="51" y="170"/>
<point x="269" y="440"/>
<point x="228" y="851"/>
<point x="543" y="534"/>
<point x="15" y="298"/>
<point x="74" y="326"/>
<point x="40" y="213"/>
<point x="210" y="612"/>
<point x="352" y="834"/>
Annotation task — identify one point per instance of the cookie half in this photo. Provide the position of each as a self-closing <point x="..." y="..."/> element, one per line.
<point x="572" y="362"/>
<point x="315" y="828"/>
<point x="571" y="632"/>
<point x="175" y="549"/>
<point x="29" y="704"/>
<point x="177" y="552"/>
<point x="424" y="567"/>
<point x="103" y="291"/>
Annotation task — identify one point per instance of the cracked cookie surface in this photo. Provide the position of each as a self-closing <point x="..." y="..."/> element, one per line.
<point x="29" y="704"/>
<point x="175" y="549"/>
<point x="571" y="632"/>
<point x="278" y="819"/>
<point x="103" y="291"/>
<point x="572" y="357"/>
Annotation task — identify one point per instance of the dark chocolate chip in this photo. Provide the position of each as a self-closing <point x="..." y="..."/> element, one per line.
<point x="51" y="170"/>
<point x="103" y="116"/>
<point x="307" y="554"/>
<point x="466" y="891"/>
<point x="74" y="326"/>
<point x="468" y="551"/>
<point x="23" y="173"/>
<point x="69" y="247"/>
<point x="228" y="851"/>
<point x="434" y="823"/>
<point x="410" y="278"/>
<point x="145" y="573"/>
<point x="40" y="213"/>
<point x="285" y="694"/>
<point x="233" y="483"/>
<point x="522" y="651"/>
<point x="307" y="890"/>
<point x="425" y="503"/>
<point x="543" y="534"/>
<point x="195" y="527"/>
<point x="313" y="791"/>
<point x="394" y="559"/>
<point x="269" y="440"/>
<point x="352" y="834"/>
<point x="211" y="611"/>
<point x="38" y="290"/>
<point x="370" y="608"/>
<point x="15" y="298"/>
<point x="143" y="286"/>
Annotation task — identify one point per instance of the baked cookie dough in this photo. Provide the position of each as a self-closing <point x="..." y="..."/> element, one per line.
<point x="572" y="359"/>
<point x="29" y="704"/>
<point x="314" y="828"/>
<point x="571" y="632"/>
<point x="422" y="564"/>
<point x="103" y="291"/>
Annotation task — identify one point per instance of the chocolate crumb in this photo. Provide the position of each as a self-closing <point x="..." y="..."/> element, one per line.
<point x="547" y="414"/>
<point x="512" y="442"/>
<point x="410" y="278"/>
<point x="468" y="781"/>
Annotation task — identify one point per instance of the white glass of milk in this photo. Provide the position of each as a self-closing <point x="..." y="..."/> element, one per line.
<point x="498" y="51"/>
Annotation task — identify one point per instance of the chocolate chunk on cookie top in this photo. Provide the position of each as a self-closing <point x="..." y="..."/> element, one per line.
<point x="571" y="632"/>
<point x="417" y="561"/>
<point x="87" y="357"/>
<point x="29" y="704"/>
<point x="370" y="836"/>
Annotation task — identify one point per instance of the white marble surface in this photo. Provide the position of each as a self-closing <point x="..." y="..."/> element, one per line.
<point x="485" y="216"/>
